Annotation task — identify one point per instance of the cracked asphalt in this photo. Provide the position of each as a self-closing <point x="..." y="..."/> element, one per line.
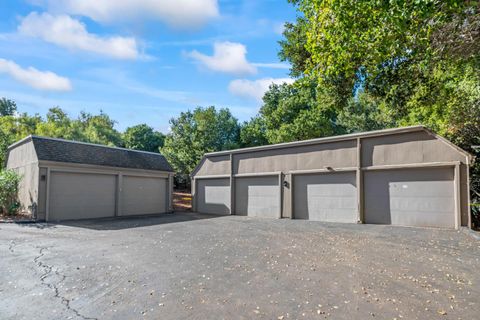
<point x="190" y="266"/>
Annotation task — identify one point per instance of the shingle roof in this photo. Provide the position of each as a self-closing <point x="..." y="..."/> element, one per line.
<point x="59" y="150"/>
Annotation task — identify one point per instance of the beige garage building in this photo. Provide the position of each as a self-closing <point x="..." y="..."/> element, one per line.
<point x="404" y="176"/>
<point x="67" y="180"/>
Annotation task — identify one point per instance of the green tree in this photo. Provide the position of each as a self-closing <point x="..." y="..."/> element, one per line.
<point x="9" y="181"/>
<point x="99" y="129"/>
<point x="344" y="35"/>
<point x="5" y="141"/>
<point x="293" y="47"/>
<point x="59" y="125"/>
<point x="364" y="112"/>
<point x="196" y="132"/>
<point x="253" y="133"/>
<point x="446" y="101"/>
<point x="87" y="127"/>
<point x="14" y="128"/>
<point x="7" y="107"/>
<point x="298" y="111"/>
<point x="143" y="137"/>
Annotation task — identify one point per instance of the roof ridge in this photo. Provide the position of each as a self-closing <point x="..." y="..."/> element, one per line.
<point x="86" y="143"/>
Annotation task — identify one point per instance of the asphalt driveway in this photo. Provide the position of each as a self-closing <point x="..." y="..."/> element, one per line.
<point x="188" y="266"/>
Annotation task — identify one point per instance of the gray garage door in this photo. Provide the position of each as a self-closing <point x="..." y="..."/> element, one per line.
<point x="213" y="196"/>
<point x="143" y="195"/>
<point x="81" y="196"/>
<point x="257" y="197"/>
<point x="328" y="197"/>
<point x="410" y="197"/>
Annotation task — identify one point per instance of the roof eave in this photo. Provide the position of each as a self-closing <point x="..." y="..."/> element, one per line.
<point x="20" y="142"/>
<point x="75" y="164"/>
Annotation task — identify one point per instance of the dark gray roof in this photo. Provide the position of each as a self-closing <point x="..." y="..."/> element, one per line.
<point x="59" y="150"/>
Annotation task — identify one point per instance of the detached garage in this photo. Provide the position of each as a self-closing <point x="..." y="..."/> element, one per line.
<point x="404" y="176"/>
<point x="68" y="180"/>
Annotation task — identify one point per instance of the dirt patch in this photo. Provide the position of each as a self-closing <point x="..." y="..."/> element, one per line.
<point x="6" y="218"/>
<point x="182" y="201"/>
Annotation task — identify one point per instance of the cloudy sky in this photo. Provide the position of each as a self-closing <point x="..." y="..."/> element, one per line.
<point x="141" y="61"/>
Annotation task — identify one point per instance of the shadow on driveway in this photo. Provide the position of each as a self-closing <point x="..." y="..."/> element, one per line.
<point x="128" y="222"/>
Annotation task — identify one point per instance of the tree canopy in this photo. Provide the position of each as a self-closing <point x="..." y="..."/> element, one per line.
<point x="196" y="132"/>
<point x="7" y="107"/>
<point x="143" y="137"/>
<point x="86" y="127"/>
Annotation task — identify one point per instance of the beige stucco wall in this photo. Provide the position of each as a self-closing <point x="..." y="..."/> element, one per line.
<point x="23" y="160"/>
<point x="214" y="165"/>
<point x="318" y="156"/>
<point x="407" y="148"/>
<point x="394" y="149"/>
<point x="21" y="155"/>
<point x="42" y="189"/>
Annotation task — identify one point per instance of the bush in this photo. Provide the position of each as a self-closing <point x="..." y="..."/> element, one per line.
<point x="182" y="182"/>
<point x="9" y="181"/>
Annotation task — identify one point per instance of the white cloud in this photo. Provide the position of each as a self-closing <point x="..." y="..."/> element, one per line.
<point x="42" y="80"/>
<point x="274" y="65"/>
<point x="278" y="28"/>
<point x="254" y="88"/>
<point x="228" y="57"/>
<point x="177" y="13"/>
<point x="67" y="32"/>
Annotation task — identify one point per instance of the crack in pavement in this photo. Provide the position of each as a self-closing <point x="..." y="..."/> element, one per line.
<point x="54" y="286"/>
<point x="11" y="246"/>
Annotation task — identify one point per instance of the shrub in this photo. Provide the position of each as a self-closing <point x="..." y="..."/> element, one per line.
<point x="9" y="181"/>
<point x="182" y="181"/>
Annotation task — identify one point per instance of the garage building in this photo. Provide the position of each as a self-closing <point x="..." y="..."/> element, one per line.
<point x="67" y="180"/>
<point x="403" y="176"/>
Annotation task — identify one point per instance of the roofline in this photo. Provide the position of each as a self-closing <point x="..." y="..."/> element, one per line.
<point x="322" y="140"/>
<point x="50" y="163"/>
<point x="470" y="157"/>
<point x="77" y="142"/>
<point x="19" y="142"/>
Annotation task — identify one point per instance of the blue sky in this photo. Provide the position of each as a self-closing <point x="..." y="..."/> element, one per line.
<point x="141" y="61"/>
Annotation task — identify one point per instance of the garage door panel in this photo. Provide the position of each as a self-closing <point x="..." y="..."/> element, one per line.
<point x="330" y="197"/>
<point x="213" y="196"/>
<point x="332" y="203"/>
<point x="257" y="197"/>
<point x="410" y="197"/>
<point x="441" y="188"/>
<point x="81" y="196"/>
<point x="427" y="204"/>
<point x="143" y="195"/>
